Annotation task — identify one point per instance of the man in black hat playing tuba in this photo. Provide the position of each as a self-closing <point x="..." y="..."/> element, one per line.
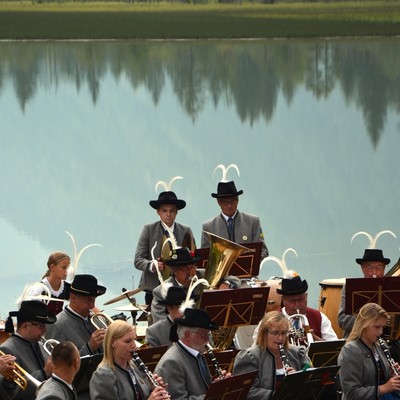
<point x="167" y="206"/>
<point x="232" y="224"/>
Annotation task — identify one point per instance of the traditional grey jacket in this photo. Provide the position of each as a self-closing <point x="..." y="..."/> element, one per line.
<point x="152" y="233"/>
<point x="345" y="321"/>
<point x="72" y="327"/>
<point x="109" y="384"/>
<point x="27" y="357"/>
<point x="246" y="228"/>
<point x="158" y="333"/>
<point x="181" y="371"/>
<point x="254" y="358"/>
<point x="359" y="371"/>
<point x="56" y="389"/>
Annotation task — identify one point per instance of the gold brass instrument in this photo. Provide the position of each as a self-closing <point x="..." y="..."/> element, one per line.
<point x="223" y="253"/>
<point x="285" y="362"/>
<point x="391" y="361"/>
<point x="300" y="335"/>
<point x="19" y="376"/>
<point x="100" y="320"/>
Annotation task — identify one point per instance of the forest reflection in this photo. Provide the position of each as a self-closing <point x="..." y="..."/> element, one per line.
<point x="248" y="74"/>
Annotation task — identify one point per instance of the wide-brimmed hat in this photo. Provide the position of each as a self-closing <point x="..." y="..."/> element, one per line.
<point x="86" y="285"/>
<point x="373" y="255"/>
<point x="292" y="286"/>
<point x="181" y="256"/>
<point x="31" y="310"/>
<point x="167" y="198"/>
<point x="176" y="296"/>
<point x="196" y="318"/>
<point x="226" y="189"/>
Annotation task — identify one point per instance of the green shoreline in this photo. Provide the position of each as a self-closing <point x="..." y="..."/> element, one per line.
<point x="113" y="20"/>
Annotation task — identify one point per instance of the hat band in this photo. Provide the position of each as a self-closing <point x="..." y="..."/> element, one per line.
<point x="41" y="317"/>
<point x="82" y="291"/>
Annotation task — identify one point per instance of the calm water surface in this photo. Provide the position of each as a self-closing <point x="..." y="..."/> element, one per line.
<point x="87" y="129"/>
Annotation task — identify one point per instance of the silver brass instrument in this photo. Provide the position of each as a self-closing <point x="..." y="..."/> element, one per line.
<point x="285" y="362"/>
<point x="214" y="361"/>
<point x="100" y="320"/>
<point x="141" y="365"/>
<point x="48" y="344"/>
<point x="386" y="351"/>
<point x="300" y="335"/>
<point x="19" y="376"/>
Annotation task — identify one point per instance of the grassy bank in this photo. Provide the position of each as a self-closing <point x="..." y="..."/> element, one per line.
<point x="109" y="20"/>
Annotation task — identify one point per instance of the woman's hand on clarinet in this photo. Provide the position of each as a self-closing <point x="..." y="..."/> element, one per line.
<point x="159" y="392"/>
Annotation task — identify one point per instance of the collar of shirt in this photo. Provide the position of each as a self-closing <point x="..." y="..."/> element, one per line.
<point x="75" y="313"/>
<point x="62" y="380"/>
<point x="226" y="217"/>
<point x="193" y="352"/>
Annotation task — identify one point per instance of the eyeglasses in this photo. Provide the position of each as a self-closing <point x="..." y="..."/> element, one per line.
<point x="371" y="269"/>
<point x="39" y="324"/>
<point x="203" y="335"/>
<point x="278" y="333"/>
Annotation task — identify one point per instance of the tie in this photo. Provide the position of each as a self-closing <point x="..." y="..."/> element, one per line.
<point x="203" y="366"/>
<point x="230" y="228"/>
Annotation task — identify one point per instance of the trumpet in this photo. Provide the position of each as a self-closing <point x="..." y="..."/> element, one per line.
<point x="285" y="362"/>
<point x="48" y="344"/>
<point x="299" y="333"/>
<point x="386" y="351"/>
<point x="19" y="376"/>
<point x="214" y="361"/>
<point x="100" y="320"/>
<point x="138" y="361"/>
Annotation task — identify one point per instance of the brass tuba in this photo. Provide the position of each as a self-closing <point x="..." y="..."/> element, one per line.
<point x="223" y="254"/>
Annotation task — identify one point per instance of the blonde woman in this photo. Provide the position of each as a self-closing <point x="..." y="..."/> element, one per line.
<point x="365" y="372"/>
<point x="117" y="377"/>
<point x="265" y="356"/>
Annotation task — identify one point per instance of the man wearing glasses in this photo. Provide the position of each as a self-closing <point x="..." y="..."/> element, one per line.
<point x="372" y="265"/>
<point x="32" y="321"/>
<point x="183" y="366"/>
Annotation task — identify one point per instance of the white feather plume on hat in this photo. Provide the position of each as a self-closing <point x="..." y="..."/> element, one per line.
<point x="372" y="239"/>
<point x="225" y="171"/>
<point x="189" y="302"/>
<point x="167" y="186"/>
<point x="36" y="291"/>
<point x="287" y="273"/>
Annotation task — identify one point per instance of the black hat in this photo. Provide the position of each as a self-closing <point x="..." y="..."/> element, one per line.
<point x="373" y="255"/>
<point x="226" y="189"/>
<point x="175" y="297"/>
<point x="31" y="310"/>
<point x="167" y="198"/>
<point x="196" y="318"/>
<point x="86" y="285"/>
<point x="180" y="257"/>
<point x="292" y="286"/>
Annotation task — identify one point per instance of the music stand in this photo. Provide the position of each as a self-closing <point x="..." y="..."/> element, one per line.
<point x="235" y="307"/>
<point x="312" y="384"/>
<point x="245" y="266"/>
<point x="151" y="356"/>
<point x="383" y="291"/>
<point x="323" y="354"/>
<point x="88" y="366"/>
<point x="234" y="388"/>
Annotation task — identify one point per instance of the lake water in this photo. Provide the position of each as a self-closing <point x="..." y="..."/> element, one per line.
<point x="88" y="128"/>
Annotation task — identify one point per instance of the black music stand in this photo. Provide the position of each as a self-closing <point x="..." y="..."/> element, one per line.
<point x="235" y="307"/>
<point x="234" y="388"/>
<point x="323" y="354"/>
<point x="245" y="266"/>
<point x="88" y="366"/>
<point x="383" y="291"/>
<point x="151" y="356"/>
<point x="312" y="384"/>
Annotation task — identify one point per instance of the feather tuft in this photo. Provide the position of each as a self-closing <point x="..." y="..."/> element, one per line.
<point x="167" y="186"/>
<point x="225" y="171"/>
<point x="282" y="263"/>
<point x="189" y="302"/>
<point x="34" y="291"/>
<point x="154" y="263"/>
<point x="164" y="289"/>
<point x="372" y="240"/>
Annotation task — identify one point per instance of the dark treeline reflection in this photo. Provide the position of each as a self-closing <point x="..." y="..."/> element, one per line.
<point x="249" y="75"/>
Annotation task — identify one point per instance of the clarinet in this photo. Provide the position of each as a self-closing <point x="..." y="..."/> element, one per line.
<point x="284" y="359"/>
<point x="386" y="351"/>
<point x="138" y="361"/>
<point x="214" y="361"/>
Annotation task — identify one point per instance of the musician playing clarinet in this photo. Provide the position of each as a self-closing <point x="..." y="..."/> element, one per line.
<point x="117" y="376"/>
<point x="271" y="355"/>
<point x="367" y="372"/>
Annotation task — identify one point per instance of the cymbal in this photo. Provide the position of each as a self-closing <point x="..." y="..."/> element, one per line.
<point x="130" y="307"/>
<point x="123" y="296"/>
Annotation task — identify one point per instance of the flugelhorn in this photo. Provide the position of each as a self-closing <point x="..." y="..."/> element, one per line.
<point x="299" y="332"/>
<point x="391" y="361"/>
<point x="48" y="344"/>
<point x="100" y="320"/>
<point x="19" y="376"/>
<point x="285" y="362"/>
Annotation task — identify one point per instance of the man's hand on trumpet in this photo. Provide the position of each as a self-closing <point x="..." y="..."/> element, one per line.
<point x="6" y="364"/>
<point x="96" y="340"/>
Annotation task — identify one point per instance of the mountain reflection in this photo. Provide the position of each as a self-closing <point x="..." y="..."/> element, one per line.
<point x="249" y="75"/>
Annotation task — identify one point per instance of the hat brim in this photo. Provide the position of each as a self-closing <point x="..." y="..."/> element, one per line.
<point x="99" y="292"/>
<point x="195" y="298"/>
<point x="212" y="326"/>
<point x="178" y="203"/>
<point x="386" y="261"/>
<point x="217" y="196"/>
<point x="293" y="292"/>
<point x="172" y="263"/>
